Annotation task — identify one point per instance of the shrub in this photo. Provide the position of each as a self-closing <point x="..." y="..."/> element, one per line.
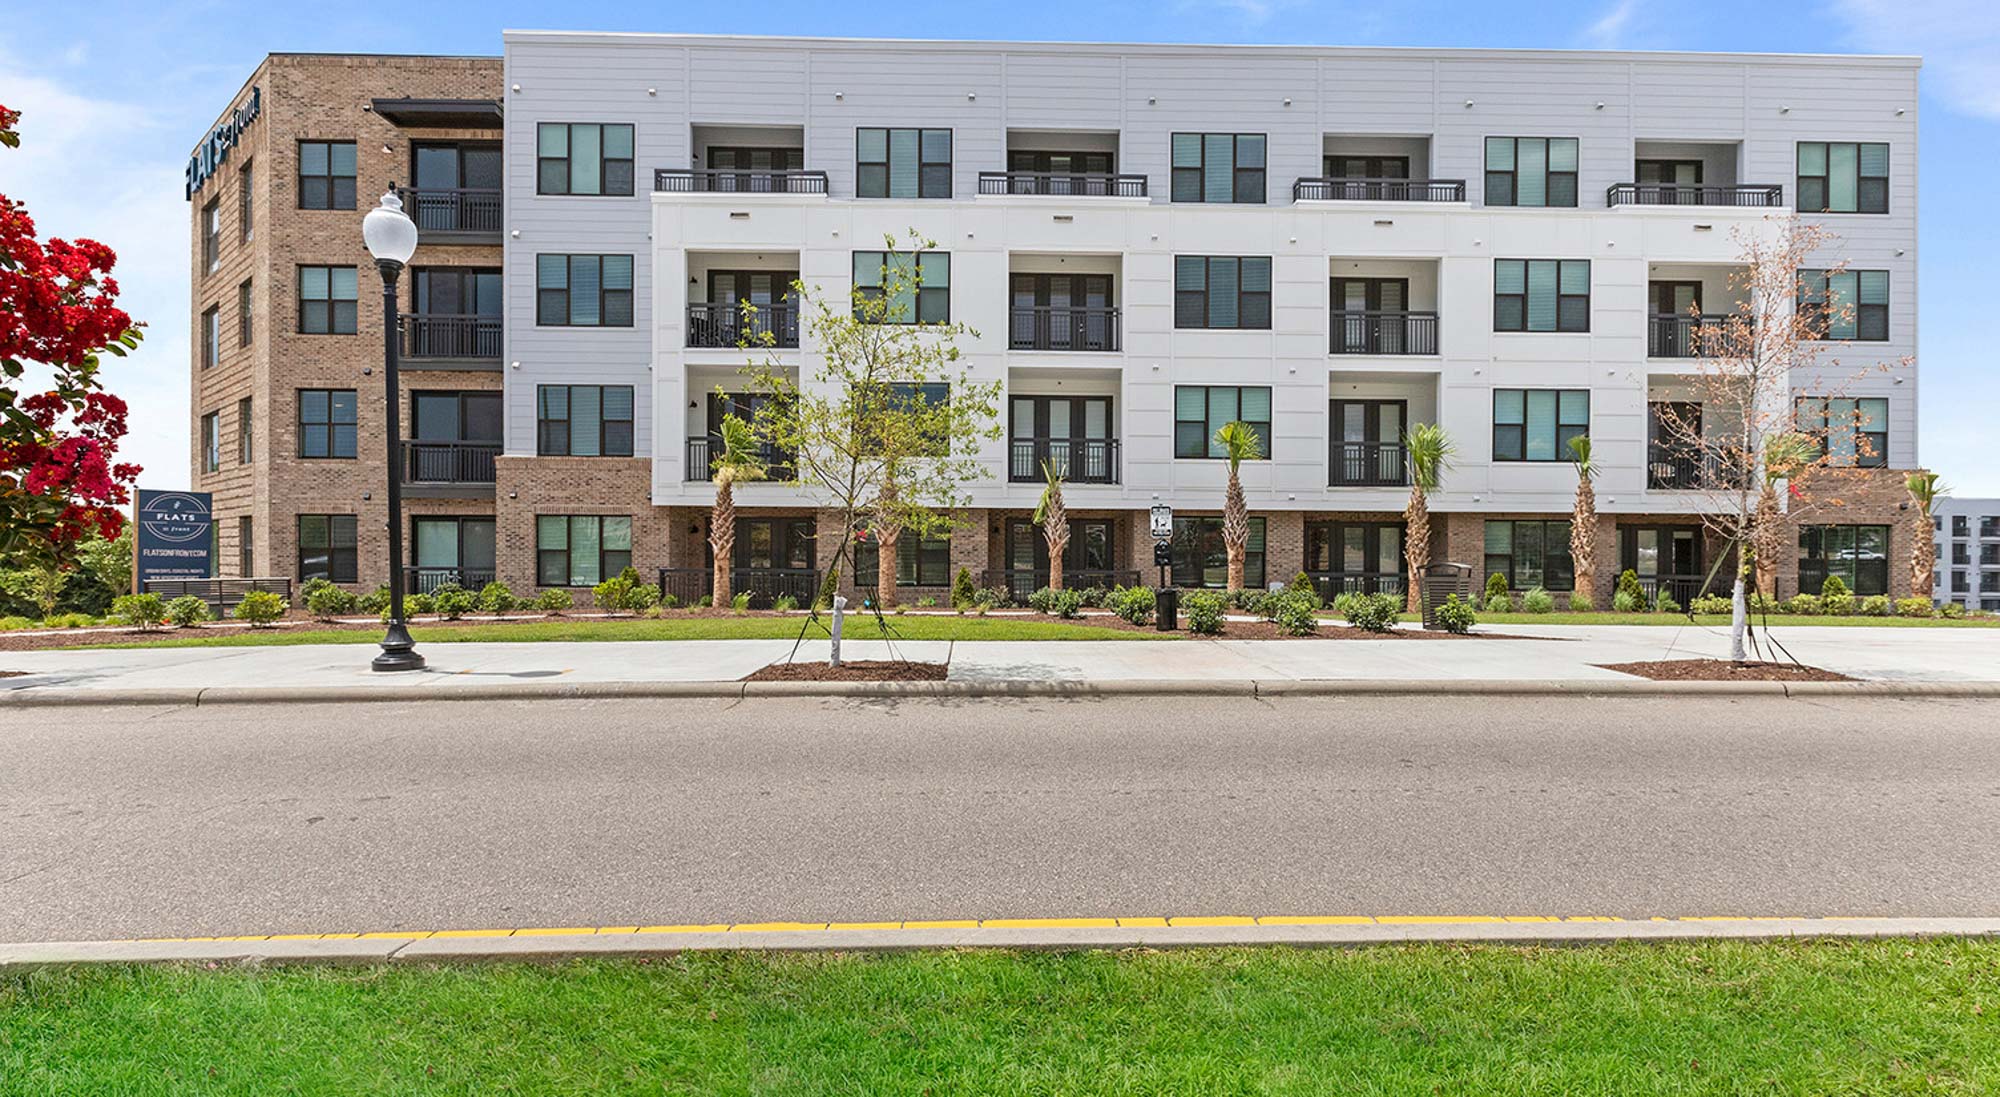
<point x="963" y="593"/>
<point x="986" y="598"/>
<point x="740" y="601"/>
<point x="1135" y="604"/>
<point x="329" y="601"/>
<point x="144" y="610"/>
<point x="1455" y="616"/>
<point x="706" y="601"/>
<point x="1714" y="605"/>
<point x="1951" y="611"/>
<point x="1876" y="605"/>
<point x="1296" y="613"/>
<point x="260" y="608"/>
<point x="784" y="603"/>
<point x="829" y="588"/>
<point x="1204" y="611"/>
<point x="1043" y="600"/>
<point x="645" y="596"/>
<point x="1302" y="584"/>
<point x="1068" y="604"/>
<point x="452" y="601"/>
<point x="1496" y="583"/>
<point x="554" y="601"/>
<point x="311" y="587"/>
<point x="187" y="611"/>
<point x="1342" y="600"/>
<point x="1580" y="602"/>
<point x="1666" y="604"/>
<point x="71" y="620"/>
<point x="1628" y="583"/>
<point x="926" y="602"/>
<point x="375" y="601"/>
<point x="1837" y="605"/>
<point x="1094" y="596"/>
<point x="497" y="597"/>
<point x="1804" y="605"/>
<point x="1625" y="602"/>
<point x="1764" y="603"/>
<point x="612" y="594"/>
<point x="1499" y="603"/>
<point x="416" y="604"/>
<point x="671" y="602"/>
<point x="1374" y="612"/>
<point x="631" y="575"/>
<point x="15" y="623"/>
<point x="651" y="613"/>
<point x="1833" y="587"/>
<point x="1914" y="607"/>
<point x="1538" y="601"/>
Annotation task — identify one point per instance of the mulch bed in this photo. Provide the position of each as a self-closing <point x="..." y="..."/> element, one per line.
<point x="1722" y="670"/>
<point x="866" y="670"/>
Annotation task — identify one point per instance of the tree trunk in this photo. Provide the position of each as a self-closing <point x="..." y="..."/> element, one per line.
<point x="1923" y="561"/>
<point x="1055" y="530"/>
<point x="1767" y="541"/>
<point x="1739" y="619"/>
<point x="1235" y="529"/>
<point x="885" y="565"/>
<point x="722" y="543"/>
<point x="1416" y="547"/>
<point x="1583" y="538"/>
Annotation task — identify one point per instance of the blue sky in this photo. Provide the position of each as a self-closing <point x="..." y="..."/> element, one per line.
<point x="118" y="93"/>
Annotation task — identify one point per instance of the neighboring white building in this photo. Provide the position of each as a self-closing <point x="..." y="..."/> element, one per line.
<point x="1151" y="240"/>
<point x="1968" y="549"/>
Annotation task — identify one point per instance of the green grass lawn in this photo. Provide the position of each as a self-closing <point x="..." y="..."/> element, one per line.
<point x="1722" y="620"/>
<point x="1858" y="1017"/>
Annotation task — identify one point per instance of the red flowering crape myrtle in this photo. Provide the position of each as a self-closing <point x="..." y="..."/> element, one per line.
<point x="59" y="477"/>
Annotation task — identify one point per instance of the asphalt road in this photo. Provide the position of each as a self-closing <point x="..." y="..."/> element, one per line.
<point x="124" y="822"/>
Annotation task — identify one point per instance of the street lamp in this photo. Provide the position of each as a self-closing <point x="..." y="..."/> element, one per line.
<point x="392" y="238"/>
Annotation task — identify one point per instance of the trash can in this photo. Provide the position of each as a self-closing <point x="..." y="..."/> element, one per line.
<point x="1167" y="604"/>
<point x="1441" y="581"/>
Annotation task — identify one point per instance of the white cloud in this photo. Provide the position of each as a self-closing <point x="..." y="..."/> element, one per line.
<point x="1611" y="30"/>
<point x="1958" y="39"/>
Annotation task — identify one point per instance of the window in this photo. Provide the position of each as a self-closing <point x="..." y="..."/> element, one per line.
<point x="583" y="420"/>
<point x="245" y="321"/>
<point x="1843" y="177"/>
<point x="583" y="291"/>
<point x="211" y="336"/>
<point x="1531" y="171"/>
<point x="1530" y="554"/>
<point x="1200" y="559"/>
<point x="1537" y="424"/>
<point x="459" y="550"/>
<point x="1989" y="556"/>
<point x="211" y="235"/>
<point x="211" y="442"/>
<point x="1989" y="583"/>
<point x="775" y="544"/>
<point x="327" y="548"/>
<point x="583" y="158"/>
<point x="923" y="280"/>
<point x="1214" y="291"/>
<point x="1201" y="410"/>
<point x="1218" y="167"/>
<point x="1847" y="304"/>
<point x="920" y="561"/>
<point x="1847" y="432"/>
<point x="326" y="423"/>
<point x="1541" y="295"/>
<point x="581" y="550"/>
<point x="1961" y="554"/>
<point x="902" y="163"/>
<point x="1960" y="583"/>
<point x="243" y="444"/>
<point x="1859" y="555"/>
<point x="1364" y="557"/>
<point x="244" y="199"/>
<point x="1989" y="526"/>
<point x="1961" y="526"/>
<point x="326" y="175"/>
<point x="327" y="300"/>
<point x="246" y="556"/>
<point x="1678" y="173"/>
<point x="1365" y="167"/>
<point x="1048" y="162"/>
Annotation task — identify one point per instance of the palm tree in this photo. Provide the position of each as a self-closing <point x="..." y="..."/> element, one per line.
<point x="1054" y="520"/>
<point x="888" y="534"/>
<point x="1583" y="519"/>
<point x="1925" y="490"/>
<point x="1430" y="450"/>
<point x="1784" y="455"/>
<point x="1239" y="443"/>
<point x="738" y="460"/>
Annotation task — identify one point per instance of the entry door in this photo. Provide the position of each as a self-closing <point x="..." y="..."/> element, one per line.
<point x="764" y="543"/>
<point x="1061" y="311"/>
<point x="1365" y="449"/>
<point x="1089" y="548"/>
<point x="761" y="288"/>
<point x="1367" y="167"/>
<point x="1356" y="301"/>
<point x="1672" y="329"/>
<point x="1675" y="173"/>
<point x="1675" y="298"/>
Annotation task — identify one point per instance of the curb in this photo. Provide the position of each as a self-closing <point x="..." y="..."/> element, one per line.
<point x="383" y="948"/>
<point x="60" y="697"/>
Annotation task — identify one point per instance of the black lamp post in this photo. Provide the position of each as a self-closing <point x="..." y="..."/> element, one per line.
<point x="392" y="238"/>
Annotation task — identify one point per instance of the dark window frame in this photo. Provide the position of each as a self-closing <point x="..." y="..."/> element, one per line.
<point x="211" y="442"/>
<point x="611" y="301"/>
<point x="330" y="451"/>
<point x="339" y="188"/>
<point x="246" y="554"/>
<point x="1334" y="166"/>
<point x="1813" y="416"/>
<point x="1254" y="181"/>
<point x="211" y="336"/>
<point x="1254" y="302"/>
<point x="1503" y="309"/>
<point x="923" y="295"/>
<point x="1503" y="452"/>
<point x="1816" y="298"/>
<point x="1812" y="547"/>
<point x="1326" y="540"/>
<point x="211" y="236"/>
<point x="610" y="561"/>
<point x="1192" y="533"/>
<point x="920" y="561"/>
<point x="1512" y="199"/>
<point x="245" y="319"/>
<point x="342" y="561"/>
<point x="624" y="165"/>
<point x="1209" y="426"/>
<point x="245" y="203"/>
<point x="610" y="442"/>
<point x="865" y="180"/>
<point x="245" y="449"/>
<point x="1822" y="181"/>
<point x="328" y="310"/>
<point x="1565" y="578"/>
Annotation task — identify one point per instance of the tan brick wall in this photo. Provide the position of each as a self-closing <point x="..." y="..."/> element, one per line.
<point x="532" y="486"/>
<point x="1871" y="497"/>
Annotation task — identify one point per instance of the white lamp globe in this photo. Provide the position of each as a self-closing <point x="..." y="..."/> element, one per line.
<point x="389" y="233"/>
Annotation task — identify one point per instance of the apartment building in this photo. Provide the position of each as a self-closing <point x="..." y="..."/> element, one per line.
<point x="1328" y="244"/>
<point x="1968" y="552"/>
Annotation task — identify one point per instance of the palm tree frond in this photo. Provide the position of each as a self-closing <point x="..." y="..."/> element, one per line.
<point x="1430" y="451"/>
<point x="1785" y="454"/>
<point x="1239" y="443"/>
<point x="1579" y="455"/>
<point x="1925" y="489"/>
<point x="1050" y="493"/>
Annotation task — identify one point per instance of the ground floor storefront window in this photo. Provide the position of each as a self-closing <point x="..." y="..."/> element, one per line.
<point x="581" y="550"/>
<point x="1857" y="555"/>
<point x="1201" y="560"/>
<point x="1530" y="554"/>
<point x="1355" y="557"/>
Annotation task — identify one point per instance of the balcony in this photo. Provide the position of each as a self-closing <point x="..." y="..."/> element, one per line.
<point x="425" y="580"/>
<point x="1690" y="336"/>
<point x="1022" y="582"/>
<point x="737" y="181"/>
<point x="714" y="325"/>
<point x="1077" y="460"/>
<point x="1745" y="195"/>
<point x="1683" y="589"/>
<point x="433" y="339"/>
<point x="1367" y="465"/>
<point x="1333" y="584"/>
<point x="764" y="585"/>
<point x="1062" y="327"/>
<point x="1086" y="184"/>
<point x="1378" y="190"/>
<point x="700" y="452"/>
<point x="1672" y="468"/>
<point x="1384" y="332"/>
<point x="446" y="215"/>
<point x="449" y="470"/>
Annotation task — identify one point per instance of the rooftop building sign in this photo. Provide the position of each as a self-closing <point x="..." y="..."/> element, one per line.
<point x="214" y="149"/>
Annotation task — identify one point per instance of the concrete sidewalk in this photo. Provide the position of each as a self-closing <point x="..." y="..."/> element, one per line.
<point x="1553" y="656"/>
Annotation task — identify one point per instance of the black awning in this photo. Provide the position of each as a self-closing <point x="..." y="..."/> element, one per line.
<point x="441" y="113"/>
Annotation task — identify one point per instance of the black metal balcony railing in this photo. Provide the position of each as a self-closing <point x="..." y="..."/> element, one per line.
<point x="1670" y="468"/>
<point x="737" y="181"/>
<point x="443" y="335"/>
<point x="722" y="324"/>
<point x="1064" y="184"/>
<point x="1020" y="583"/>
<point x="1333" y="584"/>
<point x="777" y="463"/>
<point x="448" y="462"/>
<point x="1710" y="335"/>
<point x="453" y="209"/>
<point x="1758" y="195"/>
<point x="1062" y="327"/>
<point x="1378" y="190"/>
<point x="1077" y="460"/>
<point x="1367" y="464"/>
<point x="1381" y="332"/>
<point x="425" y="580"/>
<point x="1683" y="589"/>
<point x="764" y="585"/>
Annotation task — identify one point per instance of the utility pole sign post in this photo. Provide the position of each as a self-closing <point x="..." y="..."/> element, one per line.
<point x="1167" y="602"/>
